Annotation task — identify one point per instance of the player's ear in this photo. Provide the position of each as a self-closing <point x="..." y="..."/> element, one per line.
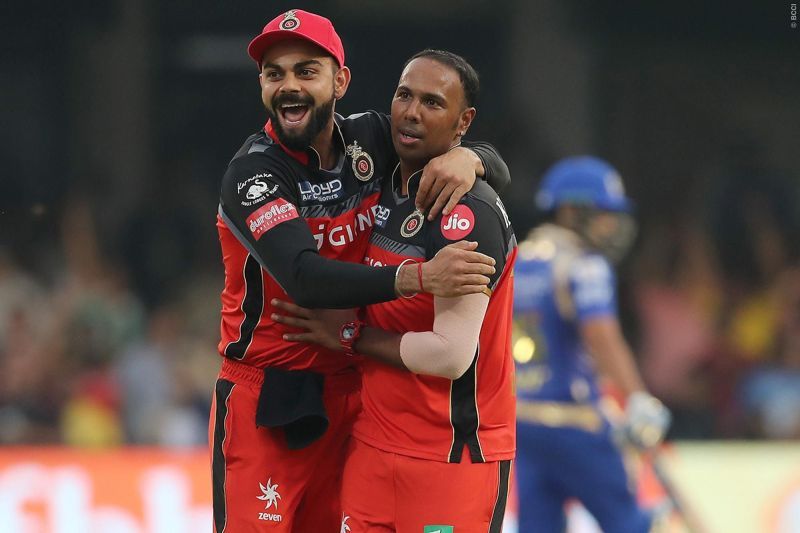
<point x="465" y="120"/>
<point x="341" y="80"/>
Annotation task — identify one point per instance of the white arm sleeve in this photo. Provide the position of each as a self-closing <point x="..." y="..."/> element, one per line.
<point x="448" y="350"/>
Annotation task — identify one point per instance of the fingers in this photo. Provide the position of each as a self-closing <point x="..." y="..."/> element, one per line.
<point x="471" y="289"/>
<point x="291" y="308"/>
<point x="434" y="191"/>
<point x="477" y="257"/>
<point x="425" y="182"/>
<point x="463" y="245"/>
<point x="289" y="320"/>
<point x="445" y="196"/>
<point x="455" y="197"/>
<point x="475" y="279"/>
<point x="299" y="337"/>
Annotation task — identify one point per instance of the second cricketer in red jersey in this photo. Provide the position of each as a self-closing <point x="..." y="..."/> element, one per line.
<point x="433" y="444"/>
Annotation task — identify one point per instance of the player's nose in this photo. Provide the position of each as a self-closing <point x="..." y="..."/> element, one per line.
<point x="290" y="84"/>
<point x="412" y="111"/>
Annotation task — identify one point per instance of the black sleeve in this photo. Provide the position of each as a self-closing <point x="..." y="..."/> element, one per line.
<point x="474" y="220"/>
<point x="496" y="171"/>
<point x="259" y="206"/>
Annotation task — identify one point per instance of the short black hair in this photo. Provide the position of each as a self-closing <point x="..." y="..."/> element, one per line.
<point x="469" y="77"/>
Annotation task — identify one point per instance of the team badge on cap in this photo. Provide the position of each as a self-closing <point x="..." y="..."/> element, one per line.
<point x="362" y="162"/>
<point x="290" y="21"/>
<point x="412" y="224"/>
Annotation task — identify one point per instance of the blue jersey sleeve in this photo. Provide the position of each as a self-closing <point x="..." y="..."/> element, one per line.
<point x="530" y="285"/>
<point x="593" y="287"/>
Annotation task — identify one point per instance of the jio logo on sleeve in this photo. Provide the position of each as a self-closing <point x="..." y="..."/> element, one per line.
<point x="459" y="223"/>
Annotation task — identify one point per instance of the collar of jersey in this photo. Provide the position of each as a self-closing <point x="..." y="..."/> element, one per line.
<point x="310" y="156"/>
<point x="413" y="182"/>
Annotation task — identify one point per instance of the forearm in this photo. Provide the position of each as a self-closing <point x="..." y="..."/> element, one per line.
<point x="381" y="345"/>
<point x="318" y="282"/>
<point x="447" y="351"/>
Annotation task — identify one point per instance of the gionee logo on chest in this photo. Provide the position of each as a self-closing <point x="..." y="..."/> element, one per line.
<point x="345" y="229"/>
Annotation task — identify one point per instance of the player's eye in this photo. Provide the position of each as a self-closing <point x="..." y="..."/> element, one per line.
<point x="402" y="95"/>
<point x="431" y="102"/>
<point x="272" y="74"/>
<point x="306" y="73"/>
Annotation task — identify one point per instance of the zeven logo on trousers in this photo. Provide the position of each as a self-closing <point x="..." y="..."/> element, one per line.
<point x="438" y="529"/>
<point x="270" y="495"/>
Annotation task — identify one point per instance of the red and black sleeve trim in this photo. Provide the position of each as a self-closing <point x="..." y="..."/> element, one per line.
<point x="464" y="416"/>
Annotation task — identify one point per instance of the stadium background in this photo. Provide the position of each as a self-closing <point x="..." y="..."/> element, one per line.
<point x="119" y="118"/>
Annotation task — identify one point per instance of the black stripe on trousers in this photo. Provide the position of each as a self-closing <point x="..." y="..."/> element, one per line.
<point x="496" y="525"/>
<point x="252" y="306"/>
<point x="464" y="415"/>
<point x="222" y="393"/>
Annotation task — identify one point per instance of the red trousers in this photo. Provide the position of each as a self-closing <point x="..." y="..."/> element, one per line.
<point x="387" y="492"/>
<point x="261" y="485"/>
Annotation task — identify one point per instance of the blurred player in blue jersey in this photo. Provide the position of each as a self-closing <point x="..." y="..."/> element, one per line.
<point x="567" y="333"/>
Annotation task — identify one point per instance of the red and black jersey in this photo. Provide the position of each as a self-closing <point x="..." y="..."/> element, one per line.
<point x="291" y="230"/>
<point x="282" y="221"/>
<point x="426" y="416"/>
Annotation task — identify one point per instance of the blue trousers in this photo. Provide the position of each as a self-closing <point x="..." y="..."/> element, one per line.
<point x="557" y="464"/>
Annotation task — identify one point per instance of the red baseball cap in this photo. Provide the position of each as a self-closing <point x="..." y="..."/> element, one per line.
<point x="298" y="24"/>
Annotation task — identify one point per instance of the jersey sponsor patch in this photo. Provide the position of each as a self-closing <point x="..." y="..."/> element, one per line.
<point x="459" y="224"/>
<point x="321" y="192"/>
<point x="256" y="189"/>
<point x="267" y="217"/>
<point x="381" y="215"/>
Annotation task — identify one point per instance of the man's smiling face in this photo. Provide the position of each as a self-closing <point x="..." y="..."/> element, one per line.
<point x="298" y="87"/>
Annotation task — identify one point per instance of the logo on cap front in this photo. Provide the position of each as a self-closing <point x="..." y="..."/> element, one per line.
<point x="290" y="21"/>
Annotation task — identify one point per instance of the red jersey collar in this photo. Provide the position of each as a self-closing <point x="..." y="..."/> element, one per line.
<point x="306" y="157"/>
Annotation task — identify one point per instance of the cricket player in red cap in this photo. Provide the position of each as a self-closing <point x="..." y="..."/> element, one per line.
<point x="298" y="203"/>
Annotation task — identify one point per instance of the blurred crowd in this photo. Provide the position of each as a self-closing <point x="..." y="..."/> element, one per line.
<point x="716" y="294"/>
<point x="89" y="358"/>
<point x="85" y="362"/>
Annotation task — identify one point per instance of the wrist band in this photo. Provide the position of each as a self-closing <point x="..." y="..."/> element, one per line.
<point x="397" y="274"/>
<point x="419" y="276"/>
